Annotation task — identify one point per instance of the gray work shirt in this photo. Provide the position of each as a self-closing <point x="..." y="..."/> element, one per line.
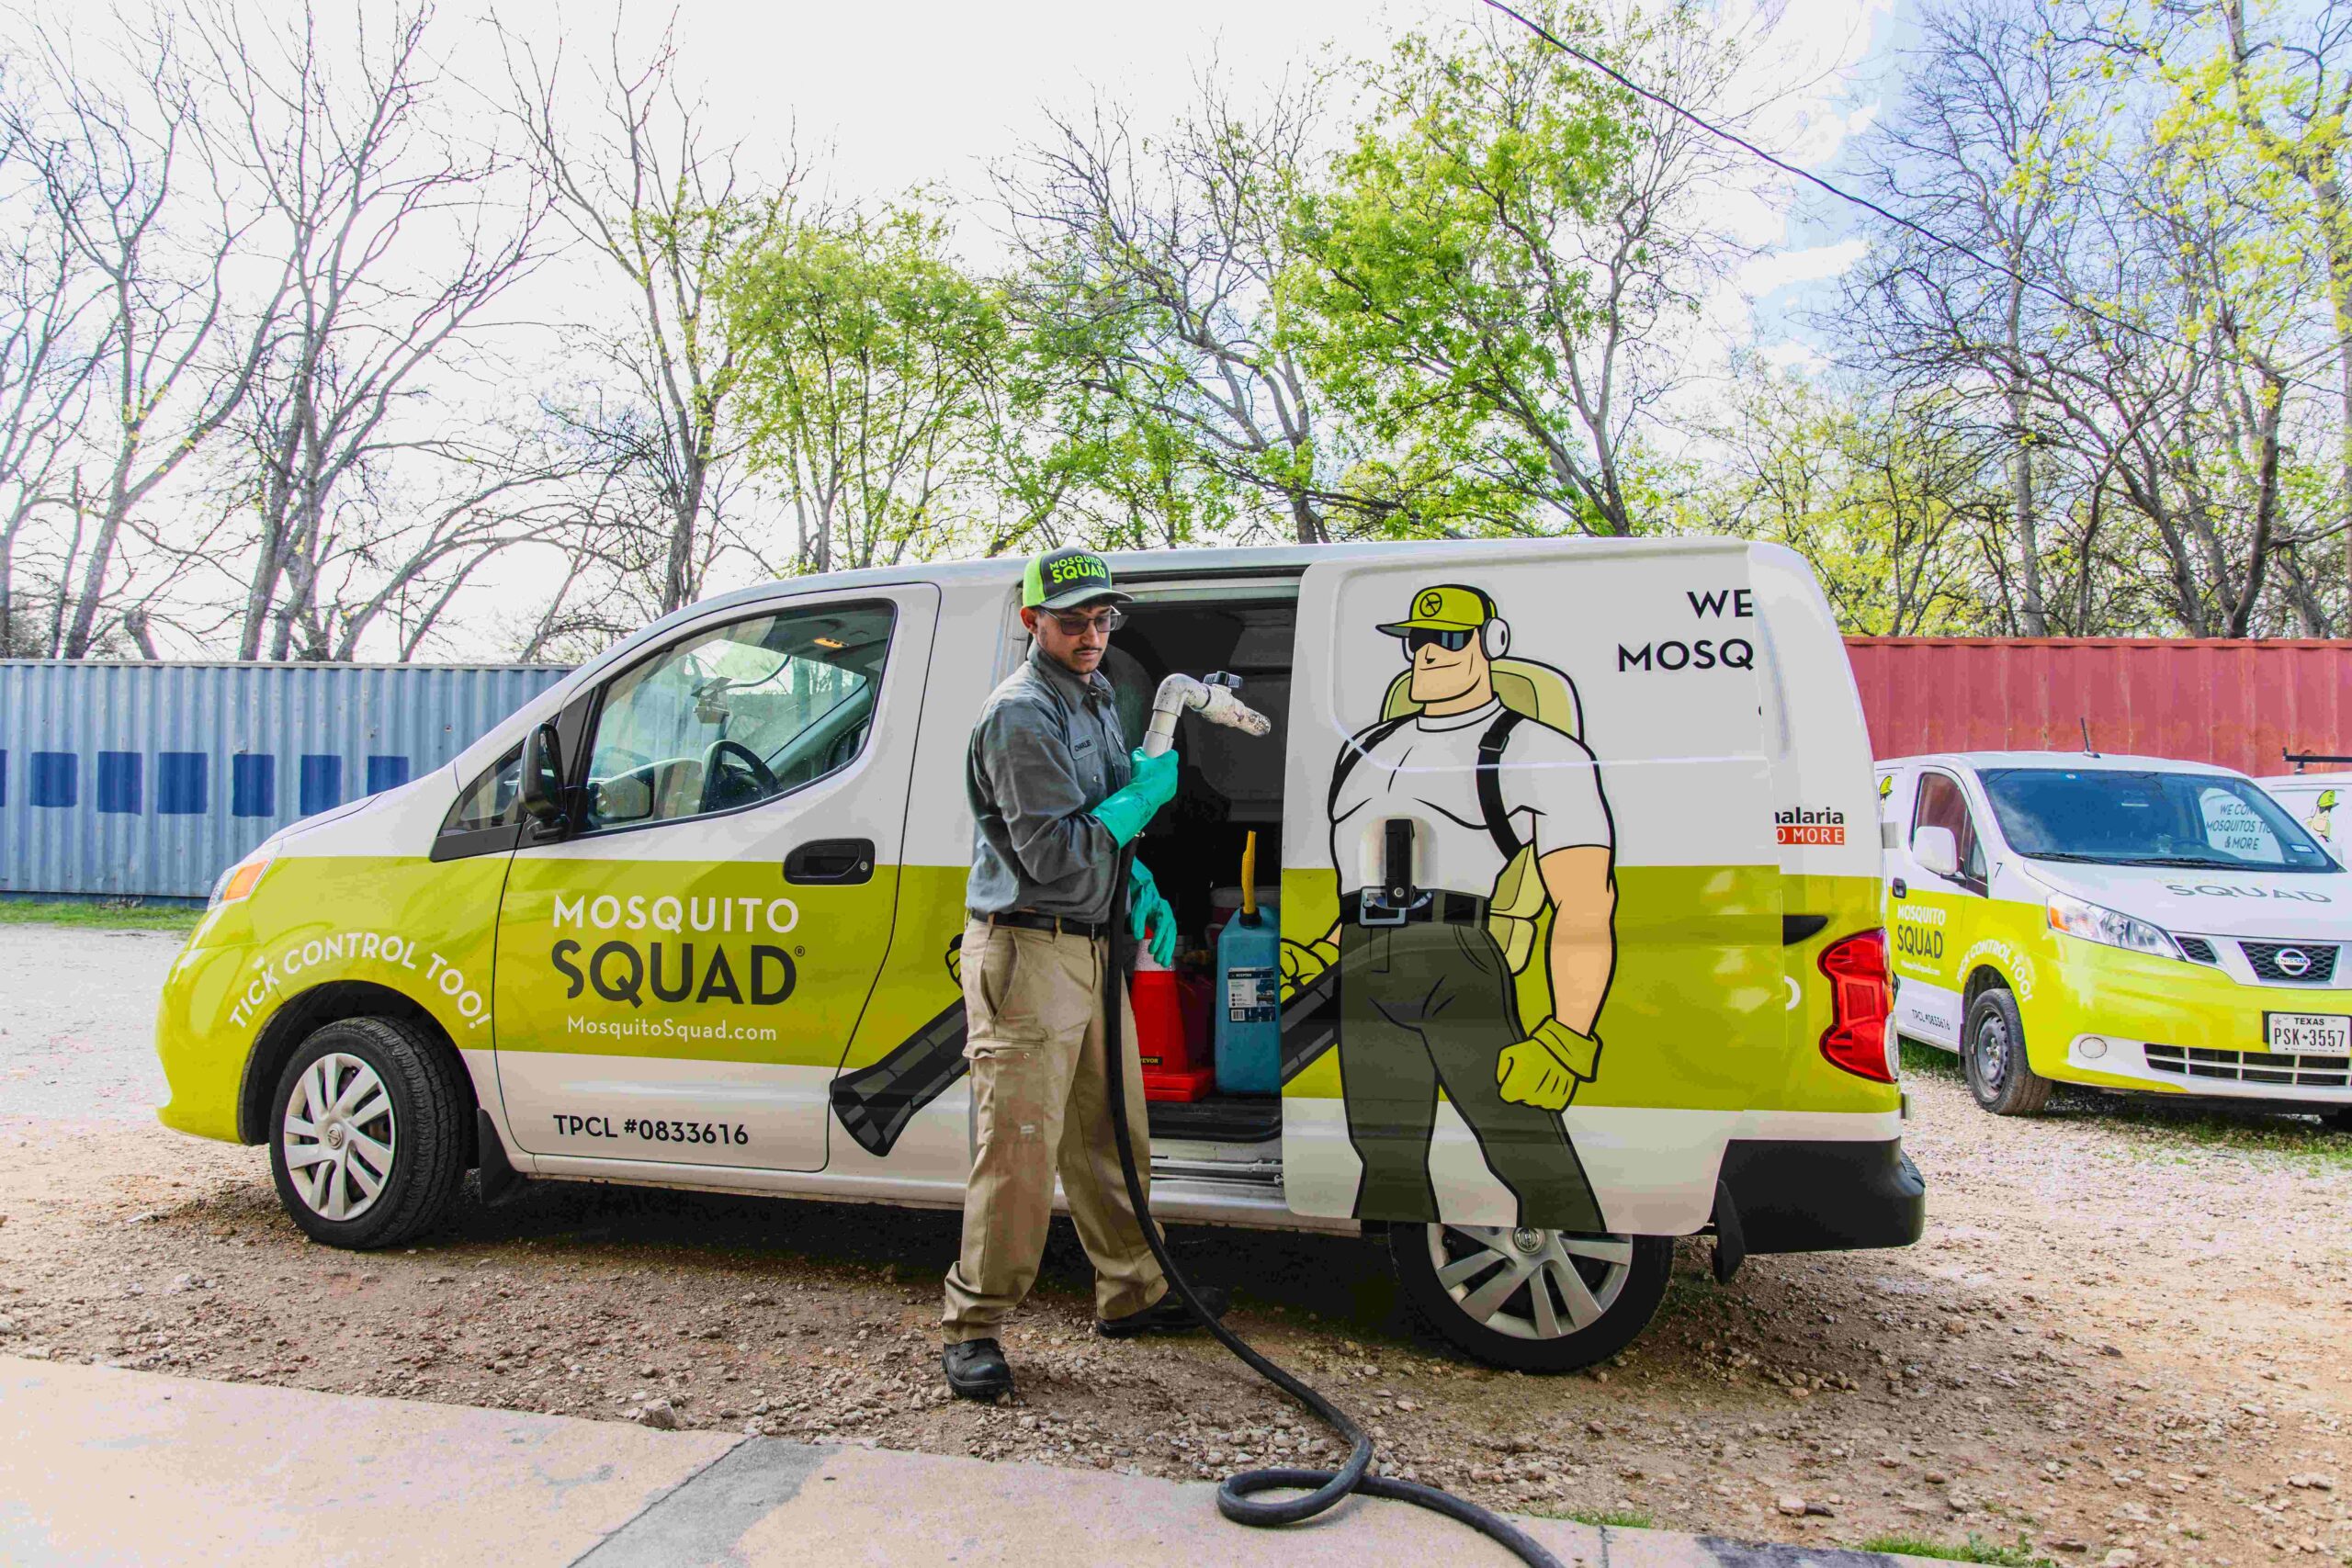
<point x="1046" y="748"/>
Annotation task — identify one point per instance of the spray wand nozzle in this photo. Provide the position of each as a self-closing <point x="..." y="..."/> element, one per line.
<point x="1213" y="698"/>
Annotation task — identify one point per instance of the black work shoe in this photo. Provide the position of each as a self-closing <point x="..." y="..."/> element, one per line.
<point x="977" y="1370"/>
<point x="1169" y="1315"/>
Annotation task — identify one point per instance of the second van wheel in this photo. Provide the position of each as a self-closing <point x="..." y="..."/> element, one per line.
<point x="1533" y="1301"/>
<point x="1993" y="1059"/>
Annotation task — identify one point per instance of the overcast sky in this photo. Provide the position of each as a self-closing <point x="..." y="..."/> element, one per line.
<point x="930" y="92"/>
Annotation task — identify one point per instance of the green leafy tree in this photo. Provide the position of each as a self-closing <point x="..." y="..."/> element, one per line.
<point x="1512" y="243"/>
<point x="872" y="368"/>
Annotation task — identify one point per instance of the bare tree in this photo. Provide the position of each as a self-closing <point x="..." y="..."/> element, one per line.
<point x="132" y="183"/>
<point x="1987" y="96"/>
<point x="395" y="239"/>
<point x="1152" y="264"/>
<point x="644" y="189"/>
<point x="47" y="357"/>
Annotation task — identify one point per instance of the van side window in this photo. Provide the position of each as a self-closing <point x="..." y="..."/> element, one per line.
<point x="735" y="715"/>
<point x="489" y="801"/>
<point x="1940" y="803"/>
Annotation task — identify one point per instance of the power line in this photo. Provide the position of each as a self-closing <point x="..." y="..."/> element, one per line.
<point x="2069" y="301"/>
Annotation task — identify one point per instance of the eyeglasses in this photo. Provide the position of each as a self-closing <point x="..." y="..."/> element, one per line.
<point x="1076" y="624"/>
<point x="1422" y="637"/>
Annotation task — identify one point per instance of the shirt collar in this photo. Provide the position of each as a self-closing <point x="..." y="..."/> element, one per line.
<point x="1478" y="714"/>
<point x="1075" y="687"/>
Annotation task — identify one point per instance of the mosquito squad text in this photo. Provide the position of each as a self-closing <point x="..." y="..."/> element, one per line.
<point x="622" y="972"/>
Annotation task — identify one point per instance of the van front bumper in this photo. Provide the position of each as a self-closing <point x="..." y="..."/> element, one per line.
<point x="2170" y="1026"/>
<point x="2113" y="1061"/>
<point x="203" y="1058"/>
<point x="1828" y="1196"/>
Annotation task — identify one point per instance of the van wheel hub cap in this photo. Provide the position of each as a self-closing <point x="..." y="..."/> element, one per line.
<point x="1529" y="1284"/>
<point x="1992" y="1052"/>
<point x="339" y="1136"/>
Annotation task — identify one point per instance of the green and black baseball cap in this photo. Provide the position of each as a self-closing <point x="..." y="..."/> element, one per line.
<point x="1065" y="579"/>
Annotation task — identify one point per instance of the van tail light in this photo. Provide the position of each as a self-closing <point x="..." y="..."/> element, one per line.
<point x="1860" y="1002"/>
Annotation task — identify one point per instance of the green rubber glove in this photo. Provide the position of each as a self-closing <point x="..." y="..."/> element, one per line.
<point x="1150" y="918"/>
<point x="1126" y="812"/>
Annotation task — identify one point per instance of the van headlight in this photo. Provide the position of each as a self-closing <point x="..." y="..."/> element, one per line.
<point x="2094" y="923"/>
<point x="238" y="881"/>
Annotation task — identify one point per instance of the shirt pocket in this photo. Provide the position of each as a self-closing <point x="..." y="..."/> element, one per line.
<point x="1085" y="754"/>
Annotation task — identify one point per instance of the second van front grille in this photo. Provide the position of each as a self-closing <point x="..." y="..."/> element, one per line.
<point x="2292" y="962"/>
<point x="2252" y="1066"/>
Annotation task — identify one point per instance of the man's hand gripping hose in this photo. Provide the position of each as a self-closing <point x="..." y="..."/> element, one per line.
<point x="1321" y="1489"/>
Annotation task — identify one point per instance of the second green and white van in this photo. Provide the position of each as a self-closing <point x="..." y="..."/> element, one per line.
<point x="2120" y="923"/>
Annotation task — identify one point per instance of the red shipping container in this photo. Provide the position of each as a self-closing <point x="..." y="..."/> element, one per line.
<point x="2239" y="705"/>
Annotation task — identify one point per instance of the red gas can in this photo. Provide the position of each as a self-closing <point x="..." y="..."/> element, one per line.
<point x="1171" y="1035"/>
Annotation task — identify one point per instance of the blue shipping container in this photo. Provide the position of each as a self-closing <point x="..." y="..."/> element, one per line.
<point x="132" y="779"/>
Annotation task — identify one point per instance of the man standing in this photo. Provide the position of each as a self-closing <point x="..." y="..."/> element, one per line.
<point x="1056" y="796"/>
<point x="1479" y="814"/>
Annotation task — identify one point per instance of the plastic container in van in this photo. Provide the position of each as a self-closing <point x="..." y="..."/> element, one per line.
<point x="1248" y="971"/>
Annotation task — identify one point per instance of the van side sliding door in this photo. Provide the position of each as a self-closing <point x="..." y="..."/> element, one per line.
<point x="1530" y="895"/>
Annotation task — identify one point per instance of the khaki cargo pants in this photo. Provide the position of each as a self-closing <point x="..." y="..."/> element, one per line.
<point x="1033" y="1009"/>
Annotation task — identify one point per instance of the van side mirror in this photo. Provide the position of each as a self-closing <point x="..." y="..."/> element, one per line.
<point x="543" y="779"/>
<point x="1935" y="849"/>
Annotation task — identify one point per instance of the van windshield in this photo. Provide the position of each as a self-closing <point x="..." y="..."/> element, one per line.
<point x="2114" y="817"/>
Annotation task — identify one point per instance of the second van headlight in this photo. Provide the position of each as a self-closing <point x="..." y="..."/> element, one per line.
<point x="2095" y="922"/>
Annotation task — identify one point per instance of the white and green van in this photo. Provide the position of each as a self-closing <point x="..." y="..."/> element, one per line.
<point x="2121" y="923"/>
<point x="689" y="918"/>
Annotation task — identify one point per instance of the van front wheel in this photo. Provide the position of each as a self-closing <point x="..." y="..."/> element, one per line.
<point x="366" y="1139"/>
<point x="1993" y="1059"/>
<point x="1533" y="1301"/>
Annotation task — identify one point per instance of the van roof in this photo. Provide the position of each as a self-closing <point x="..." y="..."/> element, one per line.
<point x="1236" y="560"/>
<point x="2078" y="762"/>
<point x="2338" y="776"/>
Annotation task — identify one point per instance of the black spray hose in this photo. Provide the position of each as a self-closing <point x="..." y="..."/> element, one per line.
<point x="1323" y="1488"/>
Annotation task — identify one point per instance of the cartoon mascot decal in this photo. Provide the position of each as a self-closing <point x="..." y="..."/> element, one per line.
<point x="1468" y="811"/>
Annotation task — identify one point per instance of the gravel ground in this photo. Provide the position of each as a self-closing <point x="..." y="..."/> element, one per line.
<point x="2120" y="1342"/>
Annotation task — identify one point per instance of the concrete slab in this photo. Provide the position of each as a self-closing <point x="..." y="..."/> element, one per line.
<point x="99" y="1465"/>
<point x="860" y="1505"/>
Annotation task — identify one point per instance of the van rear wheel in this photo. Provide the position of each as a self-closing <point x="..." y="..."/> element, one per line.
<point x="1993" y="1059"/>
<point x="366" y="1137"/>
<point x="1532" y="1301"/>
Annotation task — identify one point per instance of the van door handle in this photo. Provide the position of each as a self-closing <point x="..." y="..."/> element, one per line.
<point x="1899" y="888"/>
<point x="834" y="860"/>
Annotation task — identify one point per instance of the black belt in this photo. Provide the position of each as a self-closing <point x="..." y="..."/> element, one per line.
<point x="1030" y="921"/>
<point x="1447" y="908"/>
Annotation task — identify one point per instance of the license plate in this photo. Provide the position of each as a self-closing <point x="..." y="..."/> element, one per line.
<point x="2310" y="1033"/>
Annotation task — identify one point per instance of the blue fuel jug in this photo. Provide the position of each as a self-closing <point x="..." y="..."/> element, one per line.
<point x="1250" y="992"/>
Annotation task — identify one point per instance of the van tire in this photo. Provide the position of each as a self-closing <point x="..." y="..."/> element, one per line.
<point x="1625" y="1276"/>
<point x="1993" y="1059"/>
<point x="417" y="1135"/>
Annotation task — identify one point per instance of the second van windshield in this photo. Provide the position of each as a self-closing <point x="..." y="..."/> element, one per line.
<point x="2115" y="818"/>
